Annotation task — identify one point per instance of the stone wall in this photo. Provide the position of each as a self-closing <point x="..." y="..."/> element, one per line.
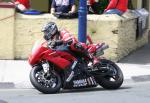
<point x="19" y="33"/>
<point x="7" y="31"/>
<point x="118" y="32"/>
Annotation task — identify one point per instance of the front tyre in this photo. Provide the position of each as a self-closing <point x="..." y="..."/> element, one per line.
<point x="45" y="83"/>
<point x="113" y="80"/>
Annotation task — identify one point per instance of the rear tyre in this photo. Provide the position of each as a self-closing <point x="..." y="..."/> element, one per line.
<point x="113" y="81"/>
<point x="45" y="83"/>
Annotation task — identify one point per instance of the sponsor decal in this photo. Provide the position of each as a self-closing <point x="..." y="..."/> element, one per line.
<point x="80" y="83"/>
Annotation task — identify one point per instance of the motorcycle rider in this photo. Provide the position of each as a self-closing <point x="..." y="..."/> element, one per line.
<point x="57" y="38"/>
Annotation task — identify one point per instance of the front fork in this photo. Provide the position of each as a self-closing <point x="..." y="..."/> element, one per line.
<point x="45" y="66"/>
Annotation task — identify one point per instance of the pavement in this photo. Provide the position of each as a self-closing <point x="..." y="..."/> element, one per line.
<point x="135" y="67"/>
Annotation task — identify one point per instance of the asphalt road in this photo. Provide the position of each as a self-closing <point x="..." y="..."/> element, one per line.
<point x="129" y="93"/>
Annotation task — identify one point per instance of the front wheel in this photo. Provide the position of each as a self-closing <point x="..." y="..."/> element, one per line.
<point x="45" y="83"/>
<point x="113" y="80"/>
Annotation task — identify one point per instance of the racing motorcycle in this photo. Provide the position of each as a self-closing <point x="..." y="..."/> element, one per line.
<point x="51" y="67"/>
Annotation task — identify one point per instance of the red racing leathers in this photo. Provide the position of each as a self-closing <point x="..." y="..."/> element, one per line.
<point x="65" y="36"/>
<point x="75" y="46"/>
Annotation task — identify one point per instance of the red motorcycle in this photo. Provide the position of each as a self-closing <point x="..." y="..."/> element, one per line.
<point x="51" y="67"/>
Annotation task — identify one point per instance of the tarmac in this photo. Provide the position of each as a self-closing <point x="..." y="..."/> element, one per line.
<point x="135" y="67"/>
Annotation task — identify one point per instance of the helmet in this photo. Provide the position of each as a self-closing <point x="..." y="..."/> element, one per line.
<point x="50" y="29"/>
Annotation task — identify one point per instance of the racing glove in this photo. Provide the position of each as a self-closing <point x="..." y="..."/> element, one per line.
<point x="53" y="44"/>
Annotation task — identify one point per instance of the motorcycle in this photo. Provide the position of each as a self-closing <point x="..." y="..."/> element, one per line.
<point x="51" y="67"/>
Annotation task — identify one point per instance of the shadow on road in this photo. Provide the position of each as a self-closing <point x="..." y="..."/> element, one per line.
<point x="2" y="101"/>
<point x="91" y="90"/>
<point x="140" y="56"/>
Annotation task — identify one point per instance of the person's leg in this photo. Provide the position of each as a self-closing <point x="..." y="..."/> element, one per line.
<point x="114" y="11"/>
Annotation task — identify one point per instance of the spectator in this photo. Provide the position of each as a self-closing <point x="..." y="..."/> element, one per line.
<point x="64" y="6"/>
<point x="116" y="7"/>
<point x="21" y="5"/>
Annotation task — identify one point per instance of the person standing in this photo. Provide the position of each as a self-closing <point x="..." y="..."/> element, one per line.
<point x="116" y="7"/>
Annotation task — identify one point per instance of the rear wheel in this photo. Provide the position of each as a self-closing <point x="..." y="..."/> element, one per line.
<point x="114" y="79"/>
<point x="45" y="83"/>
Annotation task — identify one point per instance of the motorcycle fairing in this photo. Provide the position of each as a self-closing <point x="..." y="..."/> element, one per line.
<point x="61" y="59"/>
<point x="36" y="54"/>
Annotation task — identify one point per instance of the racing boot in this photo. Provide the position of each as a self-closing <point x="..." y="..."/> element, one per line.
<point x="93" y="59"/>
